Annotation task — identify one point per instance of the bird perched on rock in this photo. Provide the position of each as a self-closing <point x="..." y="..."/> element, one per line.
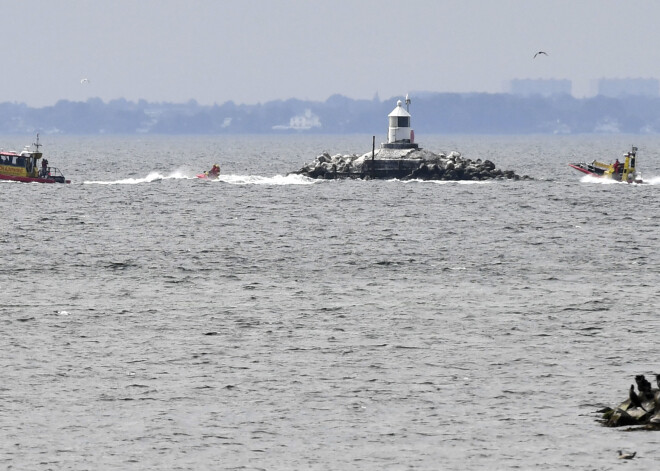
<point x="644" y="387"/>
<point x="626" y="456"/>
<point x="634" y="398"/>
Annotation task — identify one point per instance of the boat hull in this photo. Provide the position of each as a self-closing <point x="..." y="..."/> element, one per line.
<point x="16" y="178"/>
<point x="588" y="169"/>
<point x="204" y="176"/>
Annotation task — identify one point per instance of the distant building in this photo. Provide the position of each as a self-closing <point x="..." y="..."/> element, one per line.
<point x="543" y="87"/>
<point x="301" y="122"/>
<point x="617" y="88"/>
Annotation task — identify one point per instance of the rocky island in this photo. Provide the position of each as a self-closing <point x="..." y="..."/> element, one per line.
<point x="640" y="411"/>
<point x="402" y="158"/>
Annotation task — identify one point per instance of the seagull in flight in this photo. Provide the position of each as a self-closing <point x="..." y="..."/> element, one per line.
<point x="85" y="80"/>
<point x="540" y="52"/>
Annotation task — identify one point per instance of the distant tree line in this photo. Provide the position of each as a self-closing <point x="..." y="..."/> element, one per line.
<point x="432" y="113"/>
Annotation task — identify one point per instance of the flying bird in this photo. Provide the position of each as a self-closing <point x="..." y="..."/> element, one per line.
<point x="85" y="80"/>
<point x="540" y="52"/>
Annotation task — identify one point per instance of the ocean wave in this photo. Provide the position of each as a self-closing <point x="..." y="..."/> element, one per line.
<point x="446" y="182"/>
<point x="609" y="181"/>
<point x="598" y="180"/>
<point x="259" y="180"/>
<point x="151" y="177"/>
<point x="652" y="181"/>
<point x="230" y="179"/>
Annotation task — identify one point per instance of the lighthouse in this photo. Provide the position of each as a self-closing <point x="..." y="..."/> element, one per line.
<point x="400" y="135"/>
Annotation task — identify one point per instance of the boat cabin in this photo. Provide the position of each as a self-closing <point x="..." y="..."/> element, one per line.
<point x="25" y="164"/>
<point x="624" y="171"/>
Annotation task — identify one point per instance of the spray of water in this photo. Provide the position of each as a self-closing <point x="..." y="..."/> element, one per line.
<point x="609" y="181"/>
<point x="228" y="179"/>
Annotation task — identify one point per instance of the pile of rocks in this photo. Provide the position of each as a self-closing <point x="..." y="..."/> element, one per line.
<point x="642" y="409"/>
<point x="405" y="164"/>
<point x="330" y="167"/>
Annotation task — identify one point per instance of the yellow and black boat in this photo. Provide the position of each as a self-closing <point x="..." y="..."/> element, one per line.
<point x="625" y="171"/>
<point x="29" y="166"/>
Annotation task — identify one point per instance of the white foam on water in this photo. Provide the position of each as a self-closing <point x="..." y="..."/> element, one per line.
<point x="231" y="179"/>
<point x="151" y="177"/>
<point x="449" y="182"/>
<point x="598" y="180"/>
<point x="652" y="181"/>
<point x="259" y="180"/>
<point x="609" y="181"/>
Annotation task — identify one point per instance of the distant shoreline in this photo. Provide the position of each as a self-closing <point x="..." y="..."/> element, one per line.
<point x="440" y="113"/>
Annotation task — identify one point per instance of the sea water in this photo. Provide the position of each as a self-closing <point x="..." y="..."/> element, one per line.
<point x="152" y="320"/>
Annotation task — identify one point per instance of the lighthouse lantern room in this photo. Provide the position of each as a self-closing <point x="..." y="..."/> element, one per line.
<point x="400" y="135"/>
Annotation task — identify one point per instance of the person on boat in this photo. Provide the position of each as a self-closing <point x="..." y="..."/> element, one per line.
<point x="616" y="166"/>
<point x="215" y="171"/>
<point x="44" y="167"/>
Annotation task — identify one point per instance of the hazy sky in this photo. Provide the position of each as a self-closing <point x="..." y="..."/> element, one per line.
<point x="252" y="51"/>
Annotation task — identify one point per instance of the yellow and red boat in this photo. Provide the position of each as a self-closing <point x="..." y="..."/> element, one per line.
<point x="26" y="167"/>
<point x="619" y="171"/>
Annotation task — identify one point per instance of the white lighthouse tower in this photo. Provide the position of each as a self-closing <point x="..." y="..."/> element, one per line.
<point x="400" y="134"/>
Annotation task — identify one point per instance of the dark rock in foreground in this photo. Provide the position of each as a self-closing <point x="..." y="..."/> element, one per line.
<point x="645" y="415"/>
<point x="405" y="164"/>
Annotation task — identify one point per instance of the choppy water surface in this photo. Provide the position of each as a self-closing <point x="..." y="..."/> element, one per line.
<point x="151" y="320"/>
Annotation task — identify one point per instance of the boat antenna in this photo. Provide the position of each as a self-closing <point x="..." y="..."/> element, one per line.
<point x="36" y="144"/>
